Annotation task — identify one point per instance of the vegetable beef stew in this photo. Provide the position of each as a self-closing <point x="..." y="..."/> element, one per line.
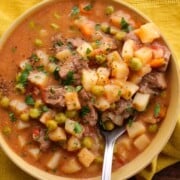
<point x="75" y="63"/>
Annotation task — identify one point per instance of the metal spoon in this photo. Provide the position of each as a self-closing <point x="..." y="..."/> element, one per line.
<point x="110" y="138"/>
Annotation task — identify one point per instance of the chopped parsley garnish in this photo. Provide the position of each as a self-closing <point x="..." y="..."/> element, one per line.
<point x="78" y="88"/>
<point x="78" y="128"/>
<point x="70" y="46"/>
<point x="28" y="67"/>
<point x="75" y="11"/>
<point x="88" y="7"/>
<point x="69" y="88"/>
<point x="41" y="69"/>
<point x="69" y="78"/>
<point x="88" y="51"/>
<point x="29" y="100"/>
<point x="58" y="43"/>
<point x="130" y="122"/>
<point x="157" y="110"/>
<point x="56" y="73"/>
<point x="84" y="111"/>
<point x="124" y="25"/>
<point x="98" y="43"/>
<point x="12" y="117"/>
<point x="53" y="59"/>
<point x="34" y="57"/>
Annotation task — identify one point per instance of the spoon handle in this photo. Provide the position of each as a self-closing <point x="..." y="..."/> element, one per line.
<point x="107" y="164"/>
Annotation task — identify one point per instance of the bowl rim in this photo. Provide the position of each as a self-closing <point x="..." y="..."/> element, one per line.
<point x="123" y="172"/>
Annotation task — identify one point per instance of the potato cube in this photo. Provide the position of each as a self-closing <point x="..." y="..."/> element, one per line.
<point x="74" y="128"/>
<point x="112" y="92"/>
<point x="141" y="101"/>
<point x="63" y="55"/>
<point x="86" y="157"/>
<point x="57" y="135"/>
<point x="23" y="64"/>
<point x="34" y="152"/>
<point x="145" y="54"/>
<point x="22" y="125"/>
<point x="84" y="50"/>
<point x="128" y="50"/>
<point x="103" y="75"/>
<point x="142" y="142"/>
<point x="129" y="90"/>
<point x="148" y="33"/>
<point x="125" y="142"/>
<point x="54" y="160"/>
<point x="113" y="56"/>
<point x="22" y="141"/>
<point x="72" y="101"/>
<point x="43" y="57"/>
<point x="120" y="70"/>
<point x="102" y="103"/>
<point x="73" y="144"/>
<point x="89" y="79"/>
<point x="38" y="78"/>
<point x="46" y="116"/>
<point x="71" y="166"/>
<point x="18" y="106"/>
<point x="137" y="128"/>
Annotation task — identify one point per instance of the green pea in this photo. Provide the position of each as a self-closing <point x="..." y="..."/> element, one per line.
<point x="71" y="114"/>
<point x="60" y="118"/>
<point x="105" y="28"/>
<point x="109" y="125"/>
<point x="51" y="125"/>
<point x="4" y="102"/>
<point x="109" y="10"/>
<point x="120" y="35"/>
<point x="87" y="142"/>
<point x="38" y="42"/>
<point x="24" y="117"/>
<point x="153" y="128"/>
<point x="34" y="113"/>
<point x="38" y="103"/>
<point x="20" y="88"/>
<point x="135" y="64"/>
<point x="6" y="130"/>
<point x="98" y="159"/>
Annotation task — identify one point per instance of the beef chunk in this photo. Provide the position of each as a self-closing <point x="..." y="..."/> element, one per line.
<point x="39" y="135"/>
<point x="54" y="95"/>
<point x="91" y="117"/>
<point x="153" y="82"/>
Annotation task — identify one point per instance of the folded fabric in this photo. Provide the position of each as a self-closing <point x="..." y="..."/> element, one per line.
<point x="166" y="14"/>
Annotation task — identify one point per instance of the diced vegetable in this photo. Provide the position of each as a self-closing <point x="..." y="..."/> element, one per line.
<point x="24" y="116"/>
<point x="60" y="118"/>
<point x="38" y="78"/>
<point x="20" y="88"/>
<point x="18" y="106"/>
<point x="23" y="64"/>
<point x="73" y="144"/>
<point x="135" y="64"/>
<point x="51" y="125"/>
<point x="72" y="101"/>
<point x="109" y="125"/>
<point x="100" y="58"/>
<point x="84" y="111"/>
<point x="129" y="90"/>
<point x="46" y="116"/>
<point x="125" y="142"/>
<point x="64" y="54"/>
<point x="22" y="125"/>
<point x="6" y="130"/>
<point x="153" y="128"/>
<point x="4" y="102"/>
<point x="43" y="33"/>
<point x="34" y="152"/>
<point x="51" y="67"/>
<point x="112" y="92"/>
<point x="43" y="57"/>
<point x="84" y="50"/>
<point x="38" y="42"/>
<point x="113" y="56"/>
<point x="54" y="26"/>
<point x="89" y="79"/>
<point x="22" y="141"/>
<point x="120" y="35"/>
<point x="103" y="76"/>
<point x="105" y="27"/>
<point x="148" y="33"/>
<point x="128" y="50"/>
<point x="102" y="104"/>
<point x="57" y="135"/>
<point x="109" y="10"/>
<point x="71" y="114"/>
<point x="29" y="100"/>
<point x="54" y="160"/>
<point x="120" y="70"/>
<point x="144" y="53"/>
<point x="142" y="142"/>
<point x="97" y="90"/>
<point x="86" y="157"/>
<point x="156" y="63"/>
<point x="87" y="142"/>
<point x="74" y="128"/>
<point x="137" y="128"/>
<point x="71" y="166"/>
<point x="141" y="101"/>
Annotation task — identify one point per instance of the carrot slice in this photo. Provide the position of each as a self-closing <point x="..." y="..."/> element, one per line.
<point x="155" y="63"/>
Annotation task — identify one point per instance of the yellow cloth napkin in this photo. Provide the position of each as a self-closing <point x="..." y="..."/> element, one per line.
<point x="166" y="14"/>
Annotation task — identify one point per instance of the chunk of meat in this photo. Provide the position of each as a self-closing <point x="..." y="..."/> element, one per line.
<point x="54" y="95"/>
<point x="39" y="135"/>
<point x="76" y="42"/>
<point x="86" y="100"/>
